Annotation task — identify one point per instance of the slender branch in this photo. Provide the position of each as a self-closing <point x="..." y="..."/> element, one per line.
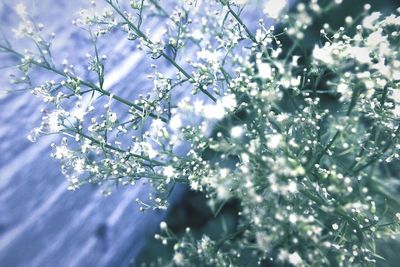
<point x="334" y="138"/>
<point x="140" y="34"/>
<point x="377" y="155"/>
<point x="83" y="82"/>
<point x="240" y="21"/>
<point x="80" y="133"/>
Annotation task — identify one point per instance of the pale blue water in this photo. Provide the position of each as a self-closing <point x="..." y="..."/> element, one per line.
<point x="41" y="223"/>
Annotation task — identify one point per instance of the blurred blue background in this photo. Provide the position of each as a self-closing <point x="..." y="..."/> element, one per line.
<point x="41" y="223"/>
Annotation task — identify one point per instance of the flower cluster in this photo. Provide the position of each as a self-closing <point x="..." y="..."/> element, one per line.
<point x="305" y="140"/>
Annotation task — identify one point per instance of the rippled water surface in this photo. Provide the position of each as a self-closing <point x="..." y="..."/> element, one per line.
<point x="41" y="223"/>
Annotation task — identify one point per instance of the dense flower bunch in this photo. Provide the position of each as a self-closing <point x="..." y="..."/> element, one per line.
<point x="305" y="140"/>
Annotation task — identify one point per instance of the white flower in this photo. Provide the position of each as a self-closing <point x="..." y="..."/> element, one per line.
<point x="79" y="114"/>
<point x="157" y="128"/>
<point x="149" y="150"/>
<point x="176" y="122"/>
<point x="178" y="258"/>
<point x="112" y="117"/>
<point x="163" y="225"/>
<point x="197" y="34"/>
<point x="237" y="131"/>
<point x="392" y="20"/>
<point x="157" y="124"/>
<point x="219" y="109"/>
<point x="282" y="117"/>
<point x="361" y="54"/>
<point x="216" y="111"/>
<point x="323" y="54"/>
<point x="291" y="187"/>
<point x="283" y="255"/>
<point x="295" y="259"/>
<point x="21" y="10"/>
<point x="85" y="17"/>
<point x="375" y="38"/>
<point x="195" y="185"/>
<point x="198" y="106"/>
<point x="396" y="95"/>
<point x="369" y="21"/>
<point x="73" y="183"/>
<point x="264" y="70"/>
<point x="185" y="104"/>
<point x="274" y="141"/>
<point x="229" y="102"/>
<point x="396" y="98"/>
<point x="211" y="58"/>
<point x="345" y="91"/>
<point x="79" y="165"/>
<point x="54" y="121"/>
<point x="62" y="152"/>
<point x="259" y="35"/>
<point x="295" y="81"/>
<point x="245" y="158"/>
<point x="24" y="28"/>
<point x="169" y="171"/>
<point x="273" y="8"/>
<point x="222" y="192"/>
<point x="293" y="218"/>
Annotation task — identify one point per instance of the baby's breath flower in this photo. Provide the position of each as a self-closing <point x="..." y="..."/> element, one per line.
<point x="274" y="8"/>
<point x="178" y="259"/>
<point x="20" y="8"/>
<point x="264" y="70"/>
<point x="274" y="141"/>
<point x="169" y="171"/>
<point x="305" y="140"/>
<point x="295" y="259"/>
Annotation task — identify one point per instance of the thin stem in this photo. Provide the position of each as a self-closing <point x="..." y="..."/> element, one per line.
<point x="334" y="138"/>
<point x="85" y="83"/>
<point x="377" y="155"/>
<point x="364" y="146"/>
<point x="80" y="133"/>
<point x="160" y="8"/>
<point x="338" y="211"/>
<point x="140" y="34"/>
<point x="99" y="66"/>
<point x="240" y="21"/>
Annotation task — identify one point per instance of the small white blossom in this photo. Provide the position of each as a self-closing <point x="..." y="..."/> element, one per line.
<point x="176" y="122"/>
<point x="163" y="225"/>
<point x="21" y="10"/>
<point x="214" y="111"/>
<point x="360" y="54"/>
<point x="264" y="70"/>
<point x="274" y="141"/>
<point x="369" y="21"/>
<point x="169" y="171"/>
<point x="295" y="259"/>
<point x="229" y="102"/>
<point x="178" y="259"/>
<point x="212" y="58"/>
<point x="237" y="131"/>
<point x="324" y="53"/>
<point x="273" y="8"/>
